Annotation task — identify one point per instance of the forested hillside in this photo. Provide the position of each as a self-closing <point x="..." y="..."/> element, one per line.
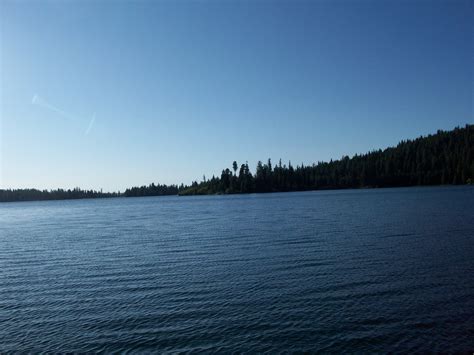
<point x="446" y="157"/>
<point x="442" y="158"/>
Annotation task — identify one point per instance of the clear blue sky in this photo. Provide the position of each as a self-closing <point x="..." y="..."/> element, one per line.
<point x="180" y="89"/>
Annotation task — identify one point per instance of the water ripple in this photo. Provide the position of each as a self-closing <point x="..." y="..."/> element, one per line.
<point x="356" y="271"/>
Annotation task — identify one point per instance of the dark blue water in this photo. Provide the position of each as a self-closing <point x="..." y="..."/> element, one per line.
<point x="344" y="271"/>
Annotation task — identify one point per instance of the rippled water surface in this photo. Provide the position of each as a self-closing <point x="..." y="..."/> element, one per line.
<point x="354" y="271"/>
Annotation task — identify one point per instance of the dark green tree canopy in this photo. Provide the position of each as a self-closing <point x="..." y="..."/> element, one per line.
<point x="442" y="158"/>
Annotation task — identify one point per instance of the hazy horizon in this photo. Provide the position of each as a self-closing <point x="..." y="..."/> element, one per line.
<point x="112" y="95"/>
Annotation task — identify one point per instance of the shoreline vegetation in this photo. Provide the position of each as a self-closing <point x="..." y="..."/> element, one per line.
<point x="444" y="158"/>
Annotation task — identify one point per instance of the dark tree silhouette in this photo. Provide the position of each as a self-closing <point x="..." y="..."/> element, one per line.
<point x="59" y="194"/>
<point x="234" y="167"/>
<point x="442" y="158"/>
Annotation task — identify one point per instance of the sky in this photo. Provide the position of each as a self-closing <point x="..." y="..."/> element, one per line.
<point x="113" y="94"/>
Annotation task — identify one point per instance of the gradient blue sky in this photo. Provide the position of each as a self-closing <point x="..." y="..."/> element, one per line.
<point x="180" y="89"/>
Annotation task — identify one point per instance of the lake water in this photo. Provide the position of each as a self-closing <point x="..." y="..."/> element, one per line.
<point x="343" y="271"/>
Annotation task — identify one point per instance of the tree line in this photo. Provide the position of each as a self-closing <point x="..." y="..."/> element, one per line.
<point x="153" y="190"/>
<point x="446" y="157"/>
<point x="10" y="195"/>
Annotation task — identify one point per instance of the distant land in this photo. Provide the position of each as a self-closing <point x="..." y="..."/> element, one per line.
<point x="444" y="158"/>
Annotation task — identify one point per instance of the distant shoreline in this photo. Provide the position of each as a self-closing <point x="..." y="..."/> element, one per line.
<point x="244" y="194"/>
<point x="444" y="158"/>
